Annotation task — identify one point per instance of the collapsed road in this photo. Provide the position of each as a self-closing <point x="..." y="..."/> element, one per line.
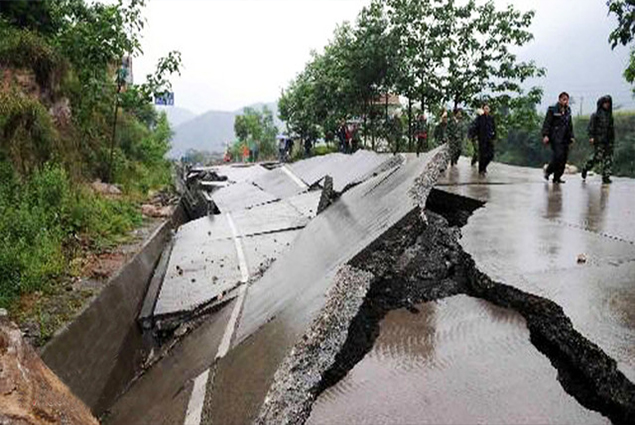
<point x="415" y="295"/>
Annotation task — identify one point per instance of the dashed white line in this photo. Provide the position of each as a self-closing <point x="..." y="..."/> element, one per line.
<point x="293" y="177"/>
<point x="197" y="398"/>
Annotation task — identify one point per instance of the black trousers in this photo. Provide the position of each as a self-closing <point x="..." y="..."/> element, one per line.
<point x="485" y="154"/>
<point x="560" y="153"/>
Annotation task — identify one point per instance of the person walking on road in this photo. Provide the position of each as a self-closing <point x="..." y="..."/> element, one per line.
<point x="485" y="130"/>
<point x="455" y="136"/>
<point x="602" y="138"/>
<point x="471" y="134"/>
<point x="557" y="131"/>
<point x="282" y="149"/>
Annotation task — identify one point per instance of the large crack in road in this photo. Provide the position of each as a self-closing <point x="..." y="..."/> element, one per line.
<point x="418" y="261"/>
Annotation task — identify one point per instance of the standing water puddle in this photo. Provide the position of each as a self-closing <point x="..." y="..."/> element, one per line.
<point x="458" y="360"/>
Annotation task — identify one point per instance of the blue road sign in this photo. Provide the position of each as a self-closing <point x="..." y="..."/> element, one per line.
<point x="167" y="99"/>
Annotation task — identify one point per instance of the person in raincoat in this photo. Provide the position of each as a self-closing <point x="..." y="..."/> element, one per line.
<point x="602" y="137"/>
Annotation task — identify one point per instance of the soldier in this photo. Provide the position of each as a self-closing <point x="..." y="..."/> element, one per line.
<point x="602" y="138"/>
<point x="485" y="130"/>
<point x="557" y="131"/>
<point x="455" y="136"/>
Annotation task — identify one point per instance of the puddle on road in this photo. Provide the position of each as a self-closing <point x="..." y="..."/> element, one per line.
<point x="458" y="360"/>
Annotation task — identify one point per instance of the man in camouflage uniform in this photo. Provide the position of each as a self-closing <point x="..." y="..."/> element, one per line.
<point x="602" y="137"/>
<point x="455" y="135"/>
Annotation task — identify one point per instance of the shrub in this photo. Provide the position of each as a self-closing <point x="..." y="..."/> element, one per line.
<point x="43" y="214"/>
<point x="25" y="49"/>
<point x="27" y="133"/>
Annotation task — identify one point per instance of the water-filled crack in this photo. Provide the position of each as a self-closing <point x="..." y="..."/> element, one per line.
<point x="416" y="262"/>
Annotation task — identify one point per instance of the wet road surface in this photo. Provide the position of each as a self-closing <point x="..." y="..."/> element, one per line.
<point x="530" y="234"/>
<point x="456" y="361"/>
<point x="161" y="395"/>
<point x="459" y="360"/>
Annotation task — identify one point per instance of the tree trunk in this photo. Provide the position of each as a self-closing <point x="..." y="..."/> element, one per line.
<point x="409" y="124"/>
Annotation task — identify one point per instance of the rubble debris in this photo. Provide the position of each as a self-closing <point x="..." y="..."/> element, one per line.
<point x="105" y="188"/>
<point x="30" y="393"/>
<point x="150" y="210"/>
<point x="328" y="195"/>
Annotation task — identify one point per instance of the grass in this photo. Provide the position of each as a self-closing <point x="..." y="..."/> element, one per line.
<point x="44" y="220"/>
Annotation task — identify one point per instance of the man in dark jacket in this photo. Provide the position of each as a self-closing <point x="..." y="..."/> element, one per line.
<point x="602" y="137"/>
<point x="485" y="130"/>
<point x="471" y="134"/>
<point x="557" y="131"/>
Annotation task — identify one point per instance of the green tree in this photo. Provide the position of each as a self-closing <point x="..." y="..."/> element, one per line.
<point x="478" y="52"/>
<point x="624" y="34"/>
<point x="256" y="128"/>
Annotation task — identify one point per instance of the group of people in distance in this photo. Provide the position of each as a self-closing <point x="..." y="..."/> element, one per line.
<point x="557" y="132"/>
<point x="482" y="133"/>
<point x="346" y="135"/>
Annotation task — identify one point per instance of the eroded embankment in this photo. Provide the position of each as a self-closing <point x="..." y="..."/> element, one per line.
<point x="416" y="262"/>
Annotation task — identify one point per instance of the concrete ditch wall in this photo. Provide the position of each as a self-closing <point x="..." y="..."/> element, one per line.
<point x="98" y="354"/>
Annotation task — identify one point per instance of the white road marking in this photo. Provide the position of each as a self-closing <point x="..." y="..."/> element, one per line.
<point x="293" y="177"/>
<point x="197" y="398"/>
<point x="242" y="263"/>
<point x="225" y="343"/>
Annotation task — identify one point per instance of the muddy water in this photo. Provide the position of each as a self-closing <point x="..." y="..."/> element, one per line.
<point x="458" y="360"/>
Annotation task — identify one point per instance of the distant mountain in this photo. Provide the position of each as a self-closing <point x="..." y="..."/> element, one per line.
<point x="211" y="131"/>
<point x="208" y="132"/>
<point x="176" y="115"/>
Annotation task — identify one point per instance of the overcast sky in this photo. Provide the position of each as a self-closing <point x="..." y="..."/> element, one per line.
<point x="240" y="52"/>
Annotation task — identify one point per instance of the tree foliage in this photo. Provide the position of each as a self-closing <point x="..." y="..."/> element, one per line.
<point x="624" y="34"/>
<point x="74" y="49"/>
<point x="256" y="129"/>
<point x="431" y="52"/>
<point x="61" y="79"/>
